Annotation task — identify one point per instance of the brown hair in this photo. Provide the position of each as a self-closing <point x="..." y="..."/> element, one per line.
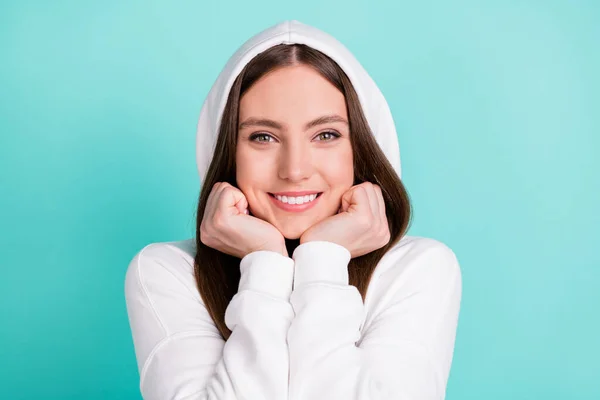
<point x="217" y="274"/>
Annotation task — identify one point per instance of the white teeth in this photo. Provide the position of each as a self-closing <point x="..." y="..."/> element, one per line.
<point x="297" y="200"/>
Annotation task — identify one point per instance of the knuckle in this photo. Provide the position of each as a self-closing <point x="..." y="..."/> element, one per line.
<point x="387" y="236"/>
<point x="205" y="227"/>
<point x="227" y="189"/>
<point x="204" y="236"/>
<point x="385" y="233"/>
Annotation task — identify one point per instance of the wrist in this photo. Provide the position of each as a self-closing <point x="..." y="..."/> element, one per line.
<point x="304" y="239"/>
<point x="280" y="249"/>
<point x="284" y="251"/>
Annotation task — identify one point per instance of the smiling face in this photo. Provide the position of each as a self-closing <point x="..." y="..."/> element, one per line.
<point x="293" y="137"/>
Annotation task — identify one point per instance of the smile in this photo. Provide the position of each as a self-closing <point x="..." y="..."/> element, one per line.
<point x="295" y="204"/>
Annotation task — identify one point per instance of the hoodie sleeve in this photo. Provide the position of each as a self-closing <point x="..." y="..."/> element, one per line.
<point x="179" y="350"/>
<point x="405" y="351"/>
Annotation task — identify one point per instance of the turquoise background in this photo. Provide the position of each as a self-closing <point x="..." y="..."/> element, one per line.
<point x="497" y="106"/>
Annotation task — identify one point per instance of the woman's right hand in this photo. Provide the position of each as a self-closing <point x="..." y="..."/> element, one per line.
<point x="226" y="226"/>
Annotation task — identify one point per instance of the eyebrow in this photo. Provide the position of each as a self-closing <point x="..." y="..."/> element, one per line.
<point x="325" y="119"/>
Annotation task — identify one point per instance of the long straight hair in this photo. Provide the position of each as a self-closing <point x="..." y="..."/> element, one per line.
<point x="217" y="274"/>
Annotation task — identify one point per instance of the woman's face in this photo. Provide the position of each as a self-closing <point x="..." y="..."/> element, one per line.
<point x="290" y="120"/>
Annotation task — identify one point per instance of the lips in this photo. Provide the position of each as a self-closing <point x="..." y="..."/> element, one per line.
<point x="296" y="194"/>
<point x="295" y="207"/>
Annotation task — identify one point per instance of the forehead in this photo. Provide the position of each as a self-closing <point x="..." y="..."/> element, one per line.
<point x="292" y="94"/>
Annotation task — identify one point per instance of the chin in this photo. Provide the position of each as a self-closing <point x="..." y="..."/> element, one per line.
<point x="293" y="232"/>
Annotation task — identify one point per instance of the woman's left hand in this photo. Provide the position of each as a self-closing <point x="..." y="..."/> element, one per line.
<point x="360" y="225"/>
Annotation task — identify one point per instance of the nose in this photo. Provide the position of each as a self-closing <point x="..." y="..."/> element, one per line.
<point x="295" y="162"/>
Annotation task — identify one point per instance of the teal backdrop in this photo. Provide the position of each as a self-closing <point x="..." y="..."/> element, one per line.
<point x="497" y="106"/>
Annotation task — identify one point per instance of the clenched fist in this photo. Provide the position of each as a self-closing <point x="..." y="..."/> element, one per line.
<point x="361" y="225"/>
<point x="227" y="226"/>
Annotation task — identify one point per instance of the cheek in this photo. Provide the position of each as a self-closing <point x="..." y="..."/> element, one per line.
<point x="252" y="172"/>
<point x="338" y="169"/>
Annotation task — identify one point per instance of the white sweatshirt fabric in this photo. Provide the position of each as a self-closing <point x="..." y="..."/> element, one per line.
<point x="299" y="330"/>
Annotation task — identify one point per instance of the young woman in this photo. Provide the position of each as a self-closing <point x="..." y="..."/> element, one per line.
<point x="300" y="282"/>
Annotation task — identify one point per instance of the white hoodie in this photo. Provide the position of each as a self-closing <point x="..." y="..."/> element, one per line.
<point x="299" y="330"/>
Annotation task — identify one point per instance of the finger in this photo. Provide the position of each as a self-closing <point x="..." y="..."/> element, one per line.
<point x="213" y="197"/>
<point x="242" y="205"/>
<point x="234" y="200"/>
<point x="215" y="192"/>
<point x="242" y="202"/>
<point x="222" y="186"/>
<point x="213" y="189"/>
<point x="373" y="202"/>
<point x="355" y="199"/>
<point x="381" y="202"/>
<point x="347" y="199"/>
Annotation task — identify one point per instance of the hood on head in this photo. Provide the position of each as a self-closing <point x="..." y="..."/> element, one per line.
<point x="373" y="103"/>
